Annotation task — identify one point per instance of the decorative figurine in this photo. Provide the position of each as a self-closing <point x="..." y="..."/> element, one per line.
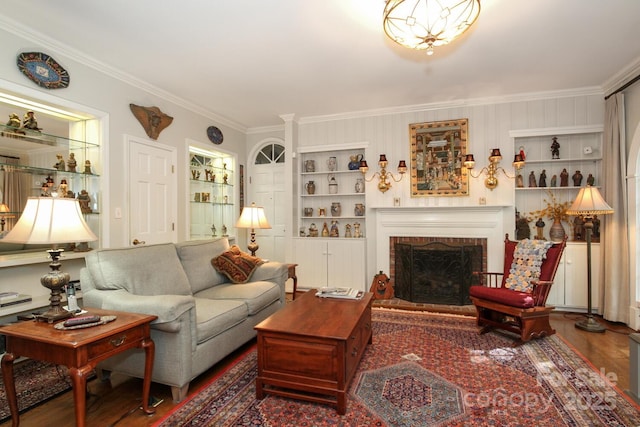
<point x="225" y="178"/>
<point x="29" y="121"/>
<point x="555" y="148"/>
<point x="577" y="179"/>
<point x="356" y="230"/>
<point x="71" y="162"/>
<point x="564" y="178"/>
<point x="313" y="230"/>
<point x="519" y="181"/>
<point x="540" y="229"/>
<point x="347" y="230"/>
<point x="542" y="181"/>
<point x="224" y="231"/>
<point x="578" y="228"/>
<point x="87" y="167"/>
<point x="14" y="121"/>
<point x="60" y="163"/>
<point x="213" y="230"/>
<point x="554" y="180"/>
<point x="334" y="229"/>
<point x="63" y="188"/>
<point x="522" y="153"/>
<point x="532" y="180"/>
<point x="325" y="230"/>
<point x="84" y="200"/>
<point x="591" y="180"/>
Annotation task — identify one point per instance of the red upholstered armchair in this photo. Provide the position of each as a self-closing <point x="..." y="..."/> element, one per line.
<point x="515" y="299"/>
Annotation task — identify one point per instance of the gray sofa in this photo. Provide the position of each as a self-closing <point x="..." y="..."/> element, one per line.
<point x="202" y="316"/>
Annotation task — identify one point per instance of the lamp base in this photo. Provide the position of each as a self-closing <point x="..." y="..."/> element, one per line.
<point x="590" y="325"/>
<point x="53" y="315"/>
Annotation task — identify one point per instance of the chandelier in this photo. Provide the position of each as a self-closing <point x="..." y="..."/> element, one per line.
<point x="423" y="24"/>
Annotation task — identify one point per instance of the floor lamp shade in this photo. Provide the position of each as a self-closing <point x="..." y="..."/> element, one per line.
<point x="253" y="217"/>
<point x="589" y="203"/>
<point x="52" y="220"/>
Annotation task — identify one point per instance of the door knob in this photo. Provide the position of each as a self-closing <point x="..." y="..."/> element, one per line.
<point x="138" y="242"/>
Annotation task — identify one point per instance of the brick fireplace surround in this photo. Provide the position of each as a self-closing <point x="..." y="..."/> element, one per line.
<point x="484" y="224"/>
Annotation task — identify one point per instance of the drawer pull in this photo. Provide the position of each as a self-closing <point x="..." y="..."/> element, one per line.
<point x="117" y="342"/>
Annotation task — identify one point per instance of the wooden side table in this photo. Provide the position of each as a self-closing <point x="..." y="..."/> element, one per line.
<point x="292" y="275"/>
<point x="80" y="350"/>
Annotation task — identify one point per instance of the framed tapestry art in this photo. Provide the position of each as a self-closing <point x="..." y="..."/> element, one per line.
<point x="437" y="156"/>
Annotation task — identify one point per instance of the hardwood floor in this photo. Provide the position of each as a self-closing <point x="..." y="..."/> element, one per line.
<point x="118" y="404"/>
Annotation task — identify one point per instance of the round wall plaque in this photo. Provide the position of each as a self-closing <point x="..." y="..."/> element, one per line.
<point x="215" y="135"/>
<point x="43" y="70"/>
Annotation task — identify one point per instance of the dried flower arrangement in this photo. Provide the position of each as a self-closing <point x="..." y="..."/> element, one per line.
<point x="553" y="210"/>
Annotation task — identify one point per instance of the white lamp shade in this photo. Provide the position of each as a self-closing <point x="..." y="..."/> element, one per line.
<point x="50" y="220"/>
<point x="253" y="217"/>
<point x="4" y="208"/>
<point x="589" y="202"/>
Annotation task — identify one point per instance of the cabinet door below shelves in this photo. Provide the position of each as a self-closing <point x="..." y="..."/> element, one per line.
<point x="570" y="286"/>
<point x="330" y="262"/>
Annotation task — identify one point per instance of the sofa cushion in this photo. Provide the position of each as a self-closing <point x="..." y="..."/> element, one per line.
<point x="143" y="270"/>
<point x="256" y="295"/>
<point x="216" y="316"/>
<point x="503" y="296"/>
<point x="238" y="266"/>
<point x="195" y="257"/>
<point x="527" y="260"/>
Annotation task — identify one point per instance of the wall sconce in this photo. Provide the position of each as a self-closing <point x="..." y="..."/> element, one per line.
<point x="491" y="171"/>
<point x="384" y="183"/>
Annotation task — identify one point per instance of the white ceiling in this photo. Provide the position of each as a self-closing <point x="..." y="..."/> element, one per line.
<point x="247" y="62"/>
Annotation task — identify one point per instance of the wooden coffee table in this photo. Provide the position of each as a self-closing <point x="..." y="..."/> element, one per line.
<point x="80" y="350"/>
<point x="311" y="348"/>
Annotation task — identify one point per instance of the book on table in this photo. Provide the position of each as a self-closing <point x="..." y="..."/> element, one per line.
<point x="343" y="293"/>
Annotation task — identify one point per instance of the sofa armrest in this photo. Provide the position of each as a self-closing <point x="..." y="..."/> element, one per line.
<point x="273" y="271"/>
<point x="167" y="307"/>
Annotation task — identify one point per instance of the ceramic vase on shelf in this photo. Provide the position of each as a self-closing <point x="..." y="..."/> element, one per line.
<point x="359" y="185"/>
<point x="556" y="232"/>
<point x="311" y="187"/>
<point x="333" y="184"/>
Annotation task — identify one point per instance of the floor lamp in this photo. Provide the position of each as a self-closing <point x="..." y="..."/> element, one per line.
<point x="253" y="217"/>
<point x="52" y="220"/>
<point x="588" y="203"/>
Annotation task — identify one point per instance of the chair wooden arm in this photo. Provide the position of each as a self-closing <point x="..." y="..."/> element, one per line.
<point x="488" y="279"/>
<point x="540" y="292"/>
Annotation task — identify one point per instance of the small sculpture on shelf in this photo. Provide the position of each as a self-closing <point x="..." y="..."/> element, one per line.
<point x="522" y="154"/>
<point x="213" y="230"/>
<point x="195" y="174"/>
<point x="87" y="167"/>
<point x="578" y="228"/>
<point x="542" y="180"/>
<point x="564" y="178"/>
<point x="85" y="202"/>
<point x="591" y="180"/>
<point x="29" y="121"/>
<point x="555" y="148"/>
<point x="313" y="230"/>
<point x="522" y="227"/>
<point x="334" y="229"/>
<point x="540" y="229"/>
<point x="325" y="230"/>
<point x="14" y="121"/>
<point x="532" y="180"/>
<point x="519" y="180"/>
<point x="577" y="179"/>
<point x="554" y="181"/>
<point x="71" y="162"/>
<point x="356" y="230"/>
<point x="224" y="231"/>
<point x="60" y="165"/>
<point x="347" y="230"/>
<point x="63" y="188"/>
<point x="225" y="178"/>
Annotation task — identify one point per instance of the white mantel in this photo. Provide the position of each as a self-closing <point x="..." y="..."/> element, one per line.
<point x="483" y="221"/>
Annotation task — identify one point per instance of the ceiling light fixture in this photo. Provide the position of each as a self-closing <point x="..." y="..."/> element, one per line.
<point x="423" y="24"/>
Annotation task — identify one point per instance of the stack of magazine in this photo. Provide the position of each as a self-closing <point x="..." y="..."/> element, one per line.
<point x="12" y="298"/>
<point x="342" y="293"/>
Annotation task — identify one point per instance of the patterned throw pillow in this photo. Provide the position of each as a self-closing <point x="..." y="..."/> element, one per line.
<point x="527" y="259"/>
<point x="238" y="266"/>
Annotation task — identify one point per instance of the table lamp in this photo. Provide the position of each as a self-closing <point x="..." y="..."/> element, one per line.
<point x="52" y="220"/>
<point x="253" y="217"/>
<point x="588" y="203"/>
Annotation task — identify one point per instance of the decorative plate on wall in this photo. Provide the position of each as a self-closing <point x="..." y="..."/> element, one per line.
<point x="43" y="70"/>
<point x="215" y="135"/>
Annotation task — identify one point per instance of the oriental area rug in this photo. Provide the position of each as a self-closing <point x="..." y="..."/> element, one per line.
<point x="36" y="382"/>
<point x="426" y="369"/>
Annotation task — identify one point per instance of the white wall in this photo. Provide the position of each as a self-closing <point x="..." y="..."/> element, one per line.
<point x="489" y="126"/>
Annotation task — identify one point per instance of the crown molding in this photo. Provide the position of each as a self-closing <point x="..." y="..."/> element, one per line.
<point x="56" y="47"/>
<point x="621" y="78"/>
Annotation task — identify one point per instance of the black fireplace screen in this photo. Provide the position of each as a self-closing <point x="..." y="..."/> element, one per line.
<point x="435" y="272"/>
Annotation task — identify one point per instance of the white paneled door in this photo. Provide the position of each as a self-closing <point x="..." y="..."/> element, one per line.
<point x="152" y="192"/>
<point x="267" y="189"/>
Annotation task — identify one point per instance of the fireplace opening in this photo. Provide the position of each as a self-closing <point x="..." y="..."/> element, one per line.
<point x="436" y="272"/>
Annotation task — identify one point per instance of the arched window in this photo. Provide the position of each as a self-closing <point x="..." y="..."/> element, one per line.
<point x="271" y="153"/>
